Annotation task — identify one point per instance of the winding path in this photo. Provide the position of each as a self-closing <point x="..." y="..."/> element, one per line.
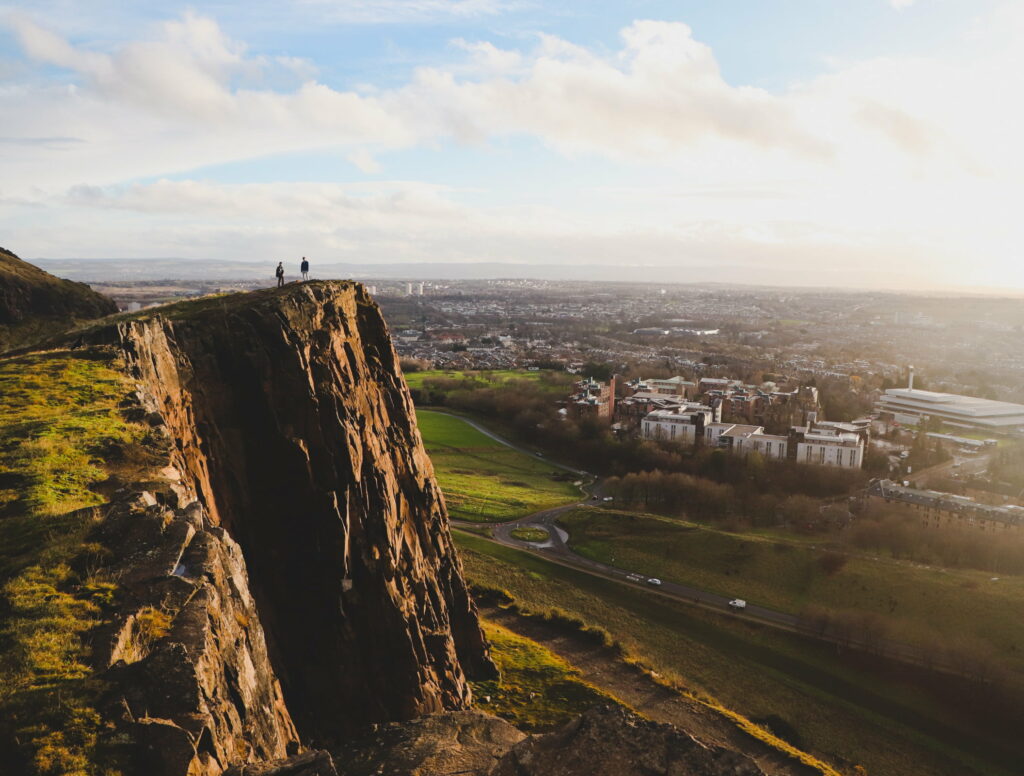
<point x="557" y="550"/>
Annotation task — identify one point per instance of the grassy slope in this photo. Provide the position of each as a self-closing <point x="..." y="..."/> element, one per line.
<point x="58" y="416"/>
<point x="836" y="708"/>
<point x="917" y="600"/>
<point x="35" y="304"/>
<point x="537" y="689"/>
<point x="484" y="480"/>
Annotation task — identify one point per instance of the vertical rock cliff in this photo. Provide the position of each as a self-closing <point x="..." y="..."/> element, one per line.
<point x="290" y="422"/>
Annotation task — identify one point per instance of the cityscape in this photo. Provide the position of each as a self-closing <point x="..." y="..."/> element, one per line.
<point x="507" y="388"/>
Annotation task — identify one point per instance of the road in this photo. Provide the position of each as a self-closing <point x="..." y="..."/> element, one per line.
<point x="557" y="550"/>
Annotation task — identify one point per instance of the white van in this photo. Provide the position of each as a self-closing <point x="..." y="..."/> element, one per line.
<point x="738" y="603"/>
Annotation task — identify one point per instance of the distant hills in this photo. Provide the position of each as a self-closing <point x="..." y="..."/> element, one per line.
<point x="113" y="271"/>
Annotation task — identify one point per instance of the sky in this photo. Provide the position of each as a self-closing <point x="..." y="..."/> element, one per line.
<point x="866" y="143"/>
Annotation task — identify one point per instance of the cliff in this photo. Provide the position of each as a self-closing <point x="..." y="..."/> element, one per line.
<point x="291" y="425"/>
<point x="34" y="303"/>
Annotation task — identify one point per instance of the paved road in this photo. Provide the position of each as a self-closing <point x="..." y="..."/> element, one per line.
<point x="556" y="549"/>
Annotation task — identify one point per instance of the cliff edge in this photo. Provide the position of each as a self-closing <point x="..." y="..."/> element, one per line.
<point x="291" y="424"/>
<point x="263" y="563"/>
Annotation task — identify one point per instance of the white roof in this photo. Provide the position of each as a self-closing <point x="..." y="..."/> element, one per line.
<point x="969" y="409"/>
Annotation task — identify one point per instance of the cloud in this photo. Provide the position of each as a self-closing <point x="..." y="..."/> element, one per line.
<point x="405" y="11"/>
<point x="875" y="163"/>
<point x="899" y="5"/>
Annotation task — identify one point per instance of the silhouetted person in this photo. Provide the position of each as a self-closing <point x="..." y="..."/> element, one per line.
<point x="305" y="268"/>
<point x="280" y="274"/>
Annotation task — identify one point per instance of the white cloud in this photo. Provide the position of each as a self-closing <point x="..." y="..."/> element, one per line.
<point x="889" y="161"/>
<point x="899" y="5"/>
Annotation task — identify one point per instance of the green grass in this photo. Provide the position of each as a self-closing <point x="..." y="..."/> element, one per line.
<point x="920" y="603"/>
<point x="482" y="479"/>
<point x="59" y="417"/>
<point x="528" y="533"/>
<point x="497" y="376"/>
<point x="537" y="689"/>
<point x="843" y="708"/>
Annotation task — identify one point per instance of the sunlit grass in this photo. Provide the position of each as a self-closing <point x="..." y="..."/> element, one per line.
<point x="537" y="690"/>
<point x="59" y="417"/>
<point x="482" y="479"/>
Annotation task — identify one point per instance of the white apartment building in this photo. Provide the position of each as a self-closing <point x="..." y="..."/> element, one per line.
<point x="672" y="426"/>
<point x="831" y="448"/>
<point x="814" y="446"/>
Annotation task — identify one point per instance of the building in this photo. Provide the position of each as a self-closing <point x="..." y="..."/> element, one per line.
<point x="671" y="386"/>
<point x="828" y="447"/>
<point x="910" y="405"/>
<point x="934" y="509"/>
<point x="816" y="445"/>
<point x="592" y="399"/>
<point x="684" y="425"/>
<point x="631" y="410"/>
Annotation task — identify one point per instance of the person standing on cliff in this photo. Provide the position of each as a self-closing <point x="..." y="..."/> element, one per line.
<point x="304" y="267"/>
<point x="280" y="274"/>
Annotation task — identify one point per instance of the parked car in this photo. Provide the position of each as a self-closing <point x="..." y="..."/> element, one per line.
<point x="654" y="581"/>
<point x="608" y="498"/>
<point x="738" y="603"/>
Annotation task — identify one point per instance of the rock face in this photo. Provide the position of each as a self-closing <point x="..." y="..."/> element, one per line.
<point x="291" y="425"/>
<point x="602" y="742"/>
<point x="191" y="687"/>
<point x="463" y="742"/>
<point x="33" y="299"/>
<point x="613" y="742"/>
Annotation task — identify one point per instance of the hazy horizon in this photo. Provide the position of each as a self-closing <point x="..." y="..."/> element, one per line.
<point x="869" y="146"/>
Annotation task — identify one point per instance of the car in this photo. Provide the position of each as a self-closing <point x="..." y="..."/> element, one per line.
<point x="654" y="581"/>
<point x="608" y="498"/>
<point x="539" y="454"/>
<point x="595" y="497"/>
<point x="738" y="603"/>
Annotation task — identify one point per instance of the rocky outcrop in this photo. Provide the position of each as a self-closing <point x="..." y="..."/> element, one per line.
<point x="291" y="425"/>
<point x="463" y="742"/>
<point x="614" y="742"/>
<point x="190" y="686"/>
<point x="34" y="303"/>
<point x="608" y="741"/>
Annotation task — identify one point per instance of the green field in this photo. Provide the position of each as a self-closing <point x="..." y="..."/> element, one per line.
<point x="483" y="480"/>
<point x="847" y="709"/>
<point x="537" y="689"/>
<point x="922" y="604"/>
<point x="415" y="379"/>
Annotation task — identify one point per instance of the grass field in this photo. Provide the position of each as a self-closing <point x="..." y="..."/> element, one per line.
<point x="415" y="379"/>
<point x="880" y="717"/>
<point x="483" y="480"/>
<point x="921" y="603"/>
<point x="537" y="689"/>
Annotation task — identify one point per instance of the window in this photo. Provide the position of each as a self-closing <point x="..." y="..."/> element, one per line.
<point x="769" y="449"/>
<point x="821" y="454"/>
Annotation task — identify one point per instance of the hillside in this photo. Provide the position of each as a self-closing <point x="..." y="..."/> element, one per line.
<point x="223" y="550"/>
<point x="34" y="303"/>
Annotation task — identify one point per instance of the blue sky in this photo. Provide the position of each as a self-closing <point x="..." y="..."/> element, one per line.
<point x="861" y="143"/>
